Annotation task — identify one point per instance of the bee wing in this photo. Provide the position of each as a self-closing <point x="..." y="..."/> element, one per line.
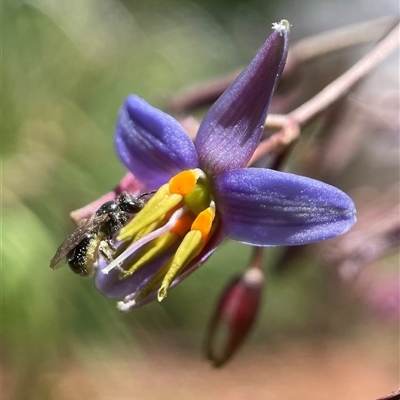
<point x="90" y="225"/>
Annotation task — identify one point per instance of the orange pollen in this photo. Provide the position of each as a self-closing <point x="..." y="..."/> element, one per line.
<point x="182" y="183"/>
<point x="203" y="223"/>
<point x="182" y="226"/>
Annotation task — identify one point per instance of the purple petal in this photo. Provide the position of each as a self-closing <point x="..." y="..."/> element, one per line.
<point x="263" y="207"/>
<point x="232" y="128"/>
<point x="152" y="144"/>
<point x="111" y="286"/>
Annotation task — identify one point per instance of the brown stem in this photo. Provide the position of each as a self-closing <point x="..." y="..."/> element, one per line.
<point x="341" y="86"/>
<point x="306" y="49"/>
<point x="376" y="234"/>
<point x="291" y="123"/>
<point x="257" y="258"/>
<point x="391" y="396"/>
<point x="342" y="38"/>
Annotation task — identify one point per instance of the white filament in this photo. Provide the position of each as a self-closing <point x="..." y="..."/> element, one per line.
<point x="145" y="239"/>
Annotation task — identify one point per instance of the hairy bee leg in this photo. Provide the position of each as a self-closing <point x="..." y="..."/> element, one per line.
<point x="107" y="250"/>
<point x="111" y="245"/>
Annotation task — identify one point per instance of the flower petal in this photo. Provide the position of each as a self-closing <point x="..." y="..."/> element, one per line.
<point x="112" y="286"/>
<point x="263" y="207"/>
<point x="232" y="128"/>
<point x="152" y="144"/>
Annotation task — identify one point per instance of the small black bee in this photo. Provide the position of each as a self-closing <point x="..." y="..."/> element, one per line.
<point x="80" y="249"/>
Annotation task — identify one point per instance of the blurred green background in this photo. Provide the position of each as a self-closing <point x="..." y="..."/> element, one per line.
<point x="66" y="67"/>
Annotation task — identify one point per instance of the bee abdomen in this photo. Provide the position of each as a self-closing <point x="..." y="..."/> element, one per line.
<point x="83" y="256"/>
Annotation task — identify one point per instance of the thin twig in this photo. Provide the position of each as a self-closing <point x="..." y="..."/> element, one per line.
<point x="342" y="38"/>
<point x="376" y="235"/>
<point x="341" y="86"/>
<point x="391" y="396"/>
<point x="257" y="258"/>
<point x="304" y="50"/>
<point x="301" y="116"/>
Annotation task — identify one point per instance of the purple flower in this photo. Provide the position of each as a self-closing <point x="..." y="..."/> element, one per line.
<point x="204" y="190"/>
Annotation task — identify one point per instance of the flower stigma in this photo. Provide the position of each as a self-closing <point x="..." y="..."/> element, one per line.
<point x="281" y="26"/>
<point x="181" y="214"/>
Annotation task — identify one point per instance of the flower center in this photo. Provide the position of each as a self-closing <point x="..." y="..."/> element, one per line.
<point x="181" y="213"/>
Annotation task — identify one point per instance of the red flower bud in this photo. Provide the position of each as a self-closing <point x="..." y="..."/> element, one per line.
<point x="234" y="316"/>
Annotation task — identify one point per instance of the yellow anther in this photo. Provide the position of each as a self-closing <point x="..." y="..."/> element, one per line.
<point x="151" y="251"/>
<point x="148" y="229"/>
<point x="203" y="223"/>
<point x="157" y="207"/>
<point x="154" y="282"/>
<point x="187" y="250"/>
<point x="183" y="182"/>
<point x="181" y="214"/>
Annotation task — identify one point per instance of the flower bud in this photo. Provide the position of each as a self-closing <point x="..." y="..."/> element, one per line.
<point x="234" y="316"/>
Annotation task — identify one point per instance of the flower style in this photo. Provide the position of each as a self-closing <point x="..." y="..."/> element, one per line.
<point x="204" y="192"/>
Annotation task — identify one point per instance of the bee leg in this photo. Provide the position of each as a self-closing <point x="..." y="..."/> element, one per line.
<point x="111" y="245"/>
<point x="107" y="250"/>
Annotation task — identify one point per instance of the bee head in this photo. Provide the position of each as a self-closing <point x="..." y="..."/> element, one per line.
<point x="129" y="203"/>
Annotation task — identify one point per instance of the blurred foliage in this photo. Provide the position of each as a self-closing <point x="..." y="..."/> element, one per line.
<point x="67" y="67"/>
